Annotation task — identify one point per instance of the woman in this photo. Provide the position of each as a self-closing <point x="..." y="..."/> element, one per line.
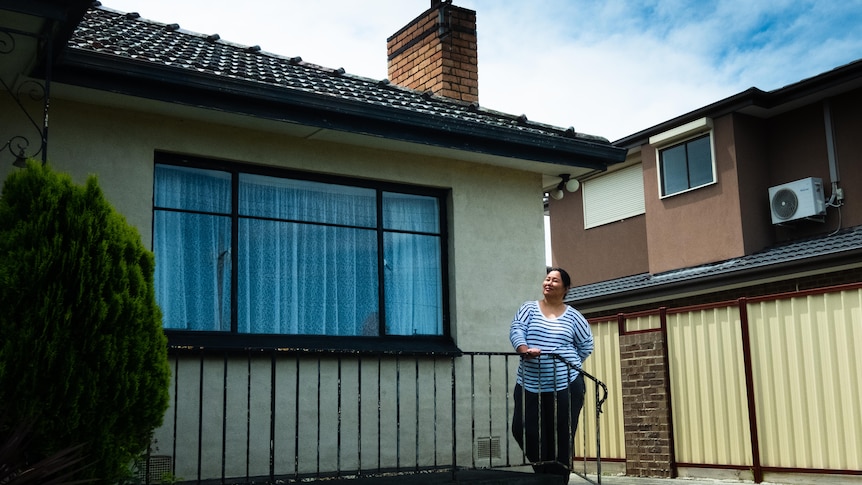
<point x="553" y="340"/>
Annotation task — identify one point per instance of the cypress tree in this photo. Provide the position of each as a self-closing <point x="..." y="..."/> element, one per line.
<point x="83" y="358"/>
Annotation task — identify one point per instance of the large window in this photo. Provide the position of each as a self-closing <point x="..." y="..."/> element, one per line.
<point x="255" y="253"/>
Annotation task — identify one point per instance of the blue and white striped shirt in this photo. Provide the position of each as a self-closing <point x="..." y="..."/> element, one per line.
<point x="568" y="336"/>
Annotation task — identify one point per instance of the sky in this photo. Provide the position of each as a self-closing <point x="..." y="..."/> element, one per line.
<point x="607" y="68"/>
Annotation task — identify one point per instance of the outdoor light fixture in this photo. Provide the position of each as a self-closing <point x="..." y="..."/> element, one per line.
<point x="19" y="143"/>
<point x="567" y="183"/>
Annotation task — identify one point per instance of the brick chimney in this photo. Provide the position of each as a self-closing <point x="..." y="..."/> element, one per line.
<point x="436" y="52"/>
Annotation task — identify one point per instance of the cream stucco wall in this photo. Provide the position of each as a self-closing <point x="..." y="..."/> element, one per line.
<point x="496" y="238"/>
<point x="496" y="261"/>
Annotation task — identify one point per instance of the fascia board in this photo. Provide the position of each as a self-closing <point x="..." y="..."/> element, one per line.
<point x="115" y="74"/>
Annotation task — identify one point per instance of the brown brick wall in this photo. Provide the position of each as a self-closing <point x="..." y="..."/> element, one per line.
<point x="646" y="404"/>
<point x="435" y="56"/>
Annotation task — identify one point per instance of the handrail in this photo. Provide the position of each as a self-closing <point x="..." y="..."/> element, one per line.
<point x="599" y="402"/>
<point x="262" y="407"/>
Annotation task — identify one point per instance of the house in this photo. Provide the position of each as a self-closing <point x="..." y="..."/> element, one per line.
<point x="125" y="90"/>
<point x="325" y="243"/>
<point x="661" y="222"/>
<point x="721" y="263"/>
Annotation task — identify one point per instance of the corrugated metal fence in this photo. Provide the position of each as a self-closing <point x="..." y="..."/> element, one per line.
<point x="771" y="384"/>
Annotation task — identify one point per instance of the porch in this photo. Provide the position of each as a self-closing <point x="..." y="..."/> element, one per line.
<point x="296" y="415"/>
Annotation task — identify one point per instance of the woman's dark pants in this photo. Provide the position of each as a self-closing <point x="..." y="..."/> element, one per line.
<point x="544" y="426"/>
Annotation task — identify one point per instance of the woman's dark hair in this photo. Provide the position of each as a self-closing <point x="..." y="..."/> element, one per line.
<point x="567" y="280"/>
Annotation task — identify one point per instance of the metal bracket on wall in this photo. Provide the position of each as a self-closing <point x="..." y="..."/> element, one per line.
<point x="30" y="95"/>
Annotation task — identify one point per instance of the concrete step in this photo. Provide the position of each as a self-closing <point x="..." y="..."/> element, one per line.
<point x="469" y="477"/>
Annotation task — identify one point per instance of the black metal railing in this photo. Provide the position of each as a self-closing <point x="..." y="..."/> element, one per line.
<point x="600" y="393"/>
<point x="291" y="415"/>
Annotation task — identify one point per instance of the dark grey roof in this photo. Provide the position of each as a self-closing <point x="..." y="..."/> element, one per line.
<point x="788" y="255"/>
<point x="763" y="104"/>
<point x="124" y="43"/>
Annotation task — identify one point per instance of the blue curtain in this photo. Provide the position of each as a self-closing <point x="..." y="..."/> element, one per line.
<point x="192" y="249"/>
<point x="307" y="256"/>
<point x="299" y="272"/>
<point x="413" y="279"/>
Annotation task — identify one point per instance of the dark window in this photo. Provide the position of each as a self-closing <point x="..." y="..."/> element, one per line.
<point x="686" y="166"/>
<point x="244" y="252"/>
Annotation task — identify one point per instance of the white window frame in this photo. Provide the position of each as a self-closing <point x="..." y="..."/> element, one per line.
<point x="678" y="136"/>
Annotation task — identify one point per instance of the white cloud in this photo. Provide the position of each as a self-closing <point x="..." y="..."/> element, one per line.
<point x="606" y="67"/>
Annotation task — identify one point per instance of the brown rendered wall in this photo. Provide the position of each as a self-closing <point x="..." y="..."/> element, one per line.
<point x="847" y="114"/>
<point x="752" y="176"/>
<point x="600" y="253"/>
<point x="730" y="218"/>
<point x="798" y="149"/>
<point x="700" y="226"/>
<point x="797" y="145"/>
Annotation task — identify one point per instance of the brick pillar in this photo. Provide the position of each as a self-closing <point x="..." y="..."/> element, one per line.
<point x="646" y="404"/>
<point x="437" y="52"/>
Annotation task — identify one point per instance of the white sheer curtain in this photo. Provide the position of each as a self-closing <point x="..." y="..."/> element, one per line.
<point x="312" y="270"/>
<point x="307" y="256"/>
<point x="192" y="249"/>
<point x="413" y="279"/>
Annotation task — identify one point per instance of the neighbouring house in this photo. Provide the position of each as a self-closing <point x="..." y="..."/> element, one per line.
<point x="337" y="258"/>
<point x="722" y="266"/>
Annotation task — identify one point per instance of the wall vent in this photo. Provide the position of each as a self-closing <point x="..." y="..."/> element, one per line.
<point x="487" y="447"/>
<point x="161" y="466"/>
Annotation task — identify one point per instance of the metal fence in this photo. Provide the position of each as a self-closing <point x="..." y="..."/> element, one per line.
<point x="290" y="415"/>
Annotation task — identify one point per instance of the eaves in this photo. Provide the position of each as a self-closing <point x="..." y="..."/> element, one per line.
<point x="200" y="89"/>
<point x="748" y="98"/>
<point x="763" y="104"/>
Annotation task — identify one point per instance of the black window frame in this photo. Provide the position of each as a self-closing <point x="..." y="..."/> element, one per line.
<point x="232" y="340"/>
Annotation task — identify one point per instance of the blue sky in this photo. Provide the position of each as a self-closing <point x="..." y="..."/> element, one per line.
<point x="607" y="68"/>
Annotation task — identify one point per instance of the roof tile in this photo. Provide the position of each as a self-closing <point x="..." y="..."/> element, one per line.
<point x="841" y="241"/>
<point x="113" y="33"/>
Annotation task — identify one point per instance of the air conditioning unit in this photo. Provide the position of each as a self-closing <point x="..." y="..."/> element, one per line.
<point x="800" y="199"/>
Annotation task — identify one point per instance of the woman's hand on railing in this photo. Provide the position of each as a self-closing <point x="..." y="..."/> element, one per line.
<point x="528" y="352"/>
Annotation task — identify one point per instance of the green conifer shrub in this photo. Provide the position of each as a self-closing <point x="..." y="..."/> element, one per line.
<point x="82" y="355"/>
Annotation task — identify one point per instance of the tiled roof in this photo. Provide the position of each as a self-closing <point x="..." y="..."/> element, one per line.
<point x="796" y="251"/>
<point x="129" y="37"/>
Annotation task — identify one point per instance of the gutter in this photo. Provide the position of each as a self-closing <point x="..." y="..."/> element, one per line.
<point x="59" y="17"/>
<point x="749" y="97"/>
<point x="204" y="90"/>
